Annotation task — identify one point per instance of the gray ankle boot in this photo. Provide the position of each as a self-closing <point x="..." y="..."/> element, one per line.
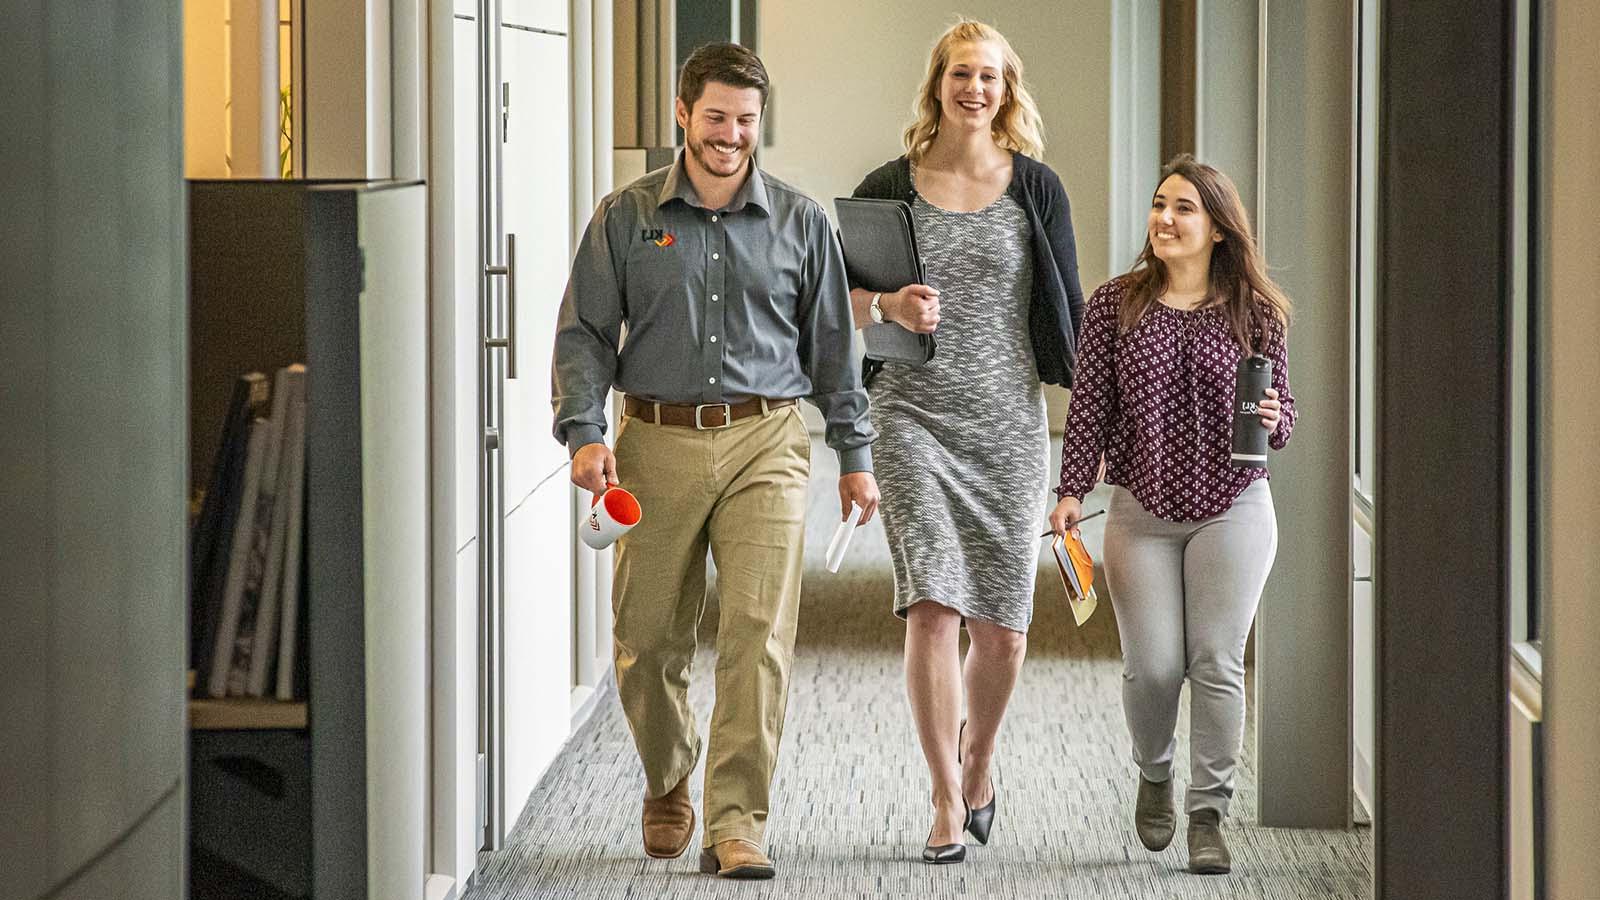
<point x="1153" y="815"/>
<point x="1208" y="852"/>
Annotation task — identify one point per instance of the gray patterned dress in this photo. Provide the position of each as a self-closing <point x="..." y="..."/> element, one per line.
<point x="962" y="452"/>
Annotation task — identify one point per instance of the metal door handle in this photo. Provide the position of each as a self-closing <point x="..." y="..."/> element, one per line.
<point x="510" y="340"/>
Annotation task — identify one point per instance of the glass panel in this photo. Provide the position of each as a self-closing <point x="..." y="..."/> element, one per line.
<point x="1536" y="340"/>
<point x="1530" y="210"/>
<point x="1366" y="350"/>
<point x="1520" y="301"/>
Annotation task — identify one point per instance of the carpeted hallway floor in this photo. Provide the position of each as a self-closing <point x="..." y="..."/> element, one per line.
<point x="850" y="798"/>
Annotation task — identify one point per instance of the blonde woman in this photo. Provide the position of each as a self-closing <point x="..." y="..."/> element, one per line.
<point x="962" y="451"/>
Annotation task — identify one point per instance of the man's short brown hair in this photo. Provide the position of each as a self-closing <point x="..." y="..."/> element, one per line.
<point x="731" y="64"/>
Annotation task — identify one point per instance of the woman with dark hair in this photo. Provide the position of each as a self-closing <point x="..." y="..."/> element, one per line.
<point x="1189" y="538"/>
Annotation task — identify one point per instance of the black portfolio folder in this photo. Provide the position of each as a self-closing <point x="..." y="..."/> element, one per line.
<point x="880" y="254"/>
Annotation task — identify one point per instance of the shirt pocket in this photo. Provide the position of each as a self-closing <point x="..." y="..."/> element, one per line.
<point x="765" y="323"/>
<point x="660" y="277"/>
<point x="778" y="289"/>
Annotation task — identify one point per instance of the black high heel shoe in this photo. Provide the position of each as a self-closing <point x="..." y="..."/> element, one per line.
<point x="946" y="853"/>
<point x="980" y="821"/>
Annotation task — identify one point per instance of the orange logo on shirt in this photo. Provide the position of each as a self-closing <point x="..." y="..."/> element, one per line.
<point x="658" y="236"/>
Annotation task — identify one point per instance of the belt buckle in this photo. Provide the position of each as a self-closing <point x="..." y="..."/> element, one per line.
<point x="727" y="416"/>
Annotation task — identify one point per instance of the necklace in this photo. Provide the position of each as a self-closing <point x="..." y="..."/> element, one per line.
<point x="1185" y="302"/>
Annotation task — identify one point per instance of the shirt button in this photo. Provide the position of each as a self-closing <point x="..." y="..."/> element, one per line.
<point x="716" y="256"/>
<point x="713" y="218"/>
<point x="713" y="339"/>
<point x="712" y="380"/>
<point x="713" y="298"/>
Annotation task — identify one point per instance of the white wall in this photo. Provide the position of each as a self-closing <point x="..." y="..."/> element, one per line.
<point x="538" y="209"/>
<point x="844" y="74"/>
<point x="394" y="463"/>
<point x="593" y="80"/>
<point x="539" y="530"/>
<point x="346" y="121"/>
<point x="453" y="159"/>
<point x="452" y="638"/>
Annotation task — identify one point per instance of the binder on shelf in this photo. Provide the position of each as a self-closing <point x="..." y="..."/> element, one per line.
<point x="291" y="668"/>
<point x="264" y="634"/>
<point x="258" y="570"/>
<point x="238" y="561"/>
<point x="211" y="535"/>
<point x="880" y="254"/>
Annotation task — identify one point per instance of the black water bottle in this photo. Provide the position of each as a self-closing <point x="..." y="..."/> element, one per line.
<point x="1249" y="438"/>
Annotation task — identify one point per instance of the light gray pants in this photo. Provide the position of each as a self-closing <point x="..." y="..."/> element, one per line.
<point x="1184" y="594"/>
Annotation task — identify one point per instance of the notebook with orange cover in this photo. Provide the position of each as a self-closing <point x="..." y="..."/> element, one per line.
<point x="1077" y="575"/>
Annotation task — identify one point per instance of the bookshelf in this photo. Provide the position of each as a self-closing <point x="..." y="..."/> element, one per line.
<point x="243" y="714"/>
<point x="331" y="275"/>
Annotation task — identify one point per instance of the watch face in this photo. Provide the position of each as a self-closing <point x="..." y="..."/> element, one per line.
<point x="876" y="311"/>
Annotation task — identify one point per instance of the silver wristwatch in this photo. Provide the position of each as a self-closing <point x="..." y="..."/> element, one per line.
<point x="876" y="310"/>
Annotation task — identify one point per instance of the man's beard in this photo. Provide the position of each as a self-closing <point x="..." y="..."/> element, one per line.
<point x="704" y="156"/>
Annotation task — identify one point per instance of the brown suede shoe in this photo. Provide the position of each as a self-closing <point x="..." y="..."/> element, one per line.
<point x="1208" y="852"/>
<point x="1153" y="816"/>
<point x="736" y="859"/>
<point x="669" y="823"/>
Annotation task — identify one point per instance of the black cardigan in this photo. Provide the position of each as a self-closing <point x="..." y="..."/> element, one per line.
<point x="1056" y="308"/>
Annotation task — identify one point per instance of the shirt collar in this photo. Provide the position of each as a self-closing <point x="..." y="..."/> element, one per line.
<point x="679" y="187"/>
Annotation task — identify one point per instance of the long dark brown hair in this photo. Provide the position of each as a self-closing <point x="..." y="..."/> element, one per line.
<point x="1239" y="284"/>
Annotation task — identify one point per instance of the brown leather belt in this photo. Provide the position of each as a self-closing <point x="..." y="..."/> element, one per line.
<point x="703" y="417"/>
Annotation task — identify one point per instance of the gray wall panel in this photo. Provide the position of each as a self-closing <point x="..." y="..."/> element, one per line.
<point x="1304" y="217"/>
<point x="1442" y="499"/>
<point x="146" y="865"/>
<point x="92" y="514"/>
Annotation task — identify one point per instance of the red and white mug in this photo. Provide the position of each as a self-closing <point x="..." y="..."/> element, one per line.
<point x="611" y="514"/>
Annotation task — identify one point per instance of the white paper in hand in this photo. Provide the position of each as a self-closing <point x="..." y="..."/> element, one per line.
<point x="841" y="537"/>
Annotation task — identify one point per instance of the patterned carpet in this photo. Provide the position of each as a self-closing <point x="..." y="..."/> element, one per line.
<point x="850" y="800"/>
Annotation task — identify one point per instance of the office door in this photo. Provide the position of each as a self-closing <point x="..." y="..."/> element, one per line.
<point x="514" y="177"/>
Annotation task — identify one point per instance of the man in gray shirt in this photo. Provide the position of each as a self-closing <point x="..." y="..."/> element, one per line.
<point x="732" y="290"/>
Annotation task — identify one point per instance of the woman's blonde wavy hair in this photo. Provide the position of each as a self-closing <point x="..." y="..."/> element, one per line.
<point x="1016" y="126"/>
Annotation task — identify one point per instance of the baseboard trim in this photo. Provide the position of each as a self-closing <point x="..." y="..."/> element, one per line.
<point x="439" y="887"/>
<point x="586" y="699"/>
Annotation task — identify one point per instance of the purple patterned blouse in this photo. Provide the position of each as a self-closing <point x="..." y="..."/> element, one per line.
<point x="1158" y="402"/>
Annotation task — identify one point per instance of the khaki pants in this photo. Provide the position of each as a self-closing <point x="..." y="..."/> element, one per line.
<point x="741" y="491"/>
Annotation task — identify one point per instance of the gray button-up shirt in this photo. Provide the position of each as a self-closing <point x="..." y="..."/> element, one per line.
<point x="720" y="305"/>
